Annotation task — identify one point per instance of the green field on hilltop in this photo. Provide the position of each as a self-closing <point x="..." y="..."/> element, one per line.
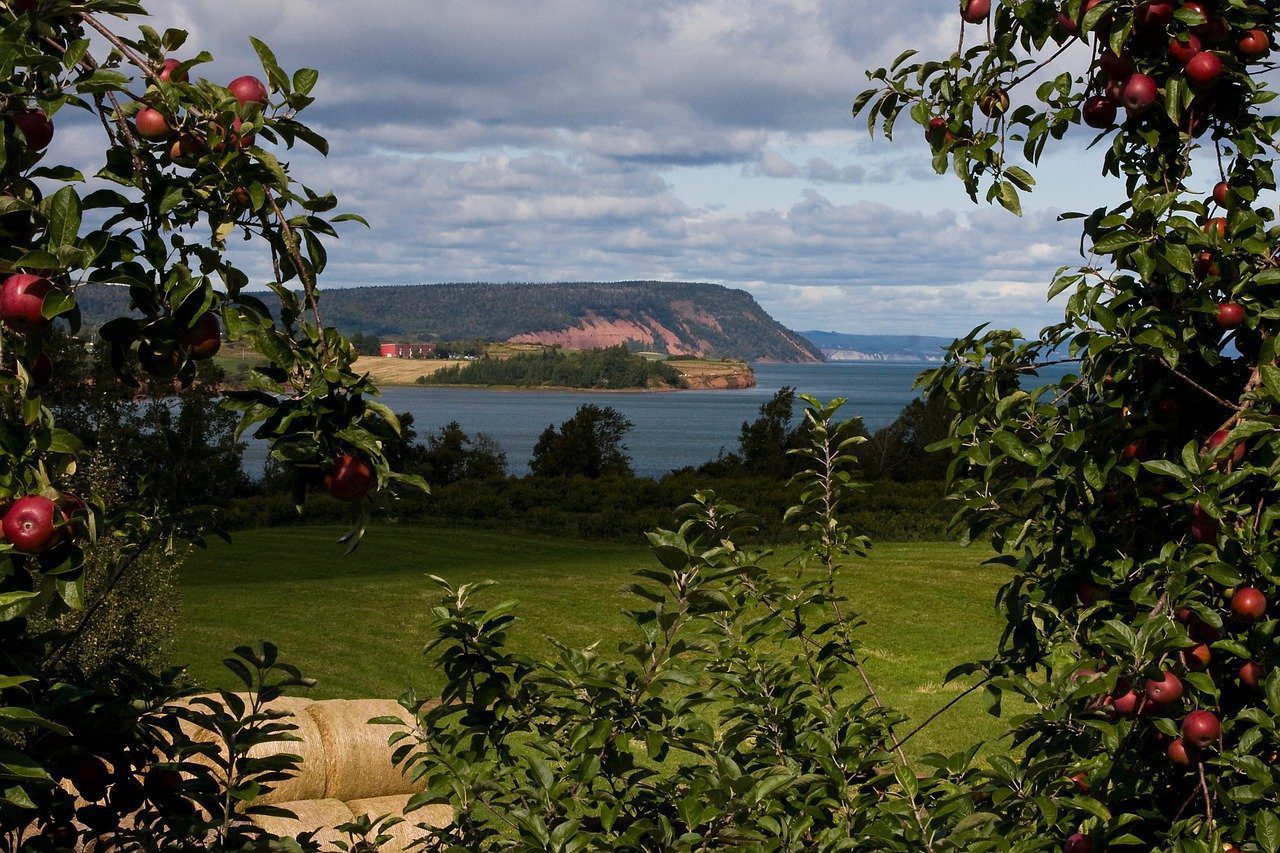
<point x="358" y="624"/>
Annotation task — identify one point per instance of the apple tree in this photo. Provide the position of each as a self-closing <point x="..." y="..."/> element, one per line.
<point x="1135" y="501"/>
<point x="188" y="164"/>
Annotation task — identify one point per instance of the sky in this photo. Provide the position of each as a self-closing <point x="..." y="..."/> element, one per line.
<point x="708" y="140"/>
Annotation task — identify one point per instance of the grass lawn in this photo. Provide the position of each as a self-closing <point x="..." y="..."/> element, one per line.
<point x="358" y="624"/>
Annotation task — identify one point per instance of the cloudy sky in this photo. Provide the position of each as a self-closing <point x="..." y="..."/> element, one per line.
<point x="514" y="140"/>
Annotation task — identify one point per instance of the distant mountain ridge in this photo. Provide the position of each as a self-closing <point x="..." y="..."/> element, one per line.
<point x="677" y="318"/>
<point x="901" y="349"/>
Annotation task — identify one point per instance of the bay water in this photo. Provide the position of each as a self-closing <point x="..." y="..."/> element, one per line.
<point x="671" y="429"/>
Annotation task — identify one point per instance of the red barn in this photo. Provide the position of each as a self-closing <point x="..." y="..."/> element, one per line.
<point x="407" y="350"/>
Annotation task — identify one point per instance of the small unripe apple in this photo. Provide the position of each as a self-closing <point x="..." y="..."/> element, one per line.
<point x="1201" y="728"/>
<point x="349" y="478"/>
<point x="22" y="302"/>
<point x="1078" y="843"/>
<point x="1185" y="48"/>
<point x="1099" y="112"/>
<point x="1204" y="69"/>
<point x="36" y="129"/>
<point x="30" y="524"/>
<point x="1251" y="674"/>
<point x="995" y="103"/>
<point x="249" y="89"/>
<point x="1178" y="753"/>
<point x="205" y="338"/>
<point x="1249" y="605"/>
<point x="1229" y="315"/>
<point x="1166" y="690"/>
<point x="1197" y="659"/>
<point x="975" y="11"/>
<point x="169" y="72"/>
<point x="1254" y="43"/>
<point x="151" y="124"/>
<point x="1140" y="92"/>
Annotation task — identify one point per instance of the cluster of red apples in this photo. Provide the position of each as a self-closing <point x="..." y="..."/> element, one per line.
<point x="1158" y="49"/>
<point x="35" y="519"/>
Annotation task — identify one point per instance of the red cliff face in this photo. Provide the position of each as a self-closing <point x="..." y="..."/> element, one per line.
<point x="594" y="332"/>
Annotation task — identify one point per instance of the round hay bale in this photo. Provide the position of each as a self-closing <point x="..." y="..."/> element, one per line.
<point x="309" y="783"/>
<point x="319" y="816"/>
<point x="402" y="834"/>
<point x="357" y="755"/>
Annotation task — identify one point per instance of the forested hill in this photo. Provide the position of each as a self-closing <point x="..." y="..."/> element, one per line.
<point x="674" y="318"/>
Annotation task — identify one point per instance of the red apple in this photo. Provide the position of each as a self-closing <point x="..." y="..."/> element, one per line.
<point x="1082" y="782"/>
<point x="1206" y="266"/>
<point x="22" y="302"/>
<point x="1166" y="690"/>
<point x="35" y="127"/>
<point x="245" y="141"/>
<point x="151" y="124"/>
<point x="1201" y="728"/>
<point x="1204" y="69"/>
<point x="1140" y="92"/>
<point x="1136" y="449"/>
<point x="1218" y="439"/>
<point x="1197" y="659"/>
<point x="1251" y="674"/>
<point x="1184" y="48"/>
<point x="1249" y="605"/>
<point x="1099" y="112"/>
<point x="1178" y="753"/>
<point x="90" y="776"/>
<point x="1229" y="315"/>
<point x="1125" y="701"/>
<point x="1078" y="843"/>
<point x="1222" y="194"/>
<point x="1118" y="65"/>
<point x="249" y="89"/>
<point x="1154" y="14"/>
<point x="1090" y="593"/>
<point x="30" y="524"/>
<point x="1254" y="43"/>
<point x="349" y="478"/>
<point x="186" y="145"/>
<point x="169" y="72"/>
<point x="205" y="338"/>
<point x="1216" y="227"/>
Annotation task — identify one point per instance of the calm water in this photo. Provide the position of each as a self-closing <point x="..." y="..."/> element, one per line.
<point x="671" y="430"/>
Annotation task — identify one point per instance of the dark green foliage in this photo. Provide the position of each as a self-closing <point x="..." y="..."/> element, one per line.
<point x="901" y="452"/>
<point x="367" y="344"/>
<point x="730" y="321"/>
<point x="451" y="456"/>
<point x="589" y="444"/>
<point x="608" y="368"/>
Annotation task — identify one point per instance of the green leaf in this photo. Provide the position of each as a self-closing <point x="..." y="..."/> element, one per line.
<point x="64" y="218"/>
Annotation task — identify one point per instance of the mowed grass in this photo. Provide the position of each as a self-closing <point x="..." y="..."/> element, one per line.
<point x="358" y="624"/>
